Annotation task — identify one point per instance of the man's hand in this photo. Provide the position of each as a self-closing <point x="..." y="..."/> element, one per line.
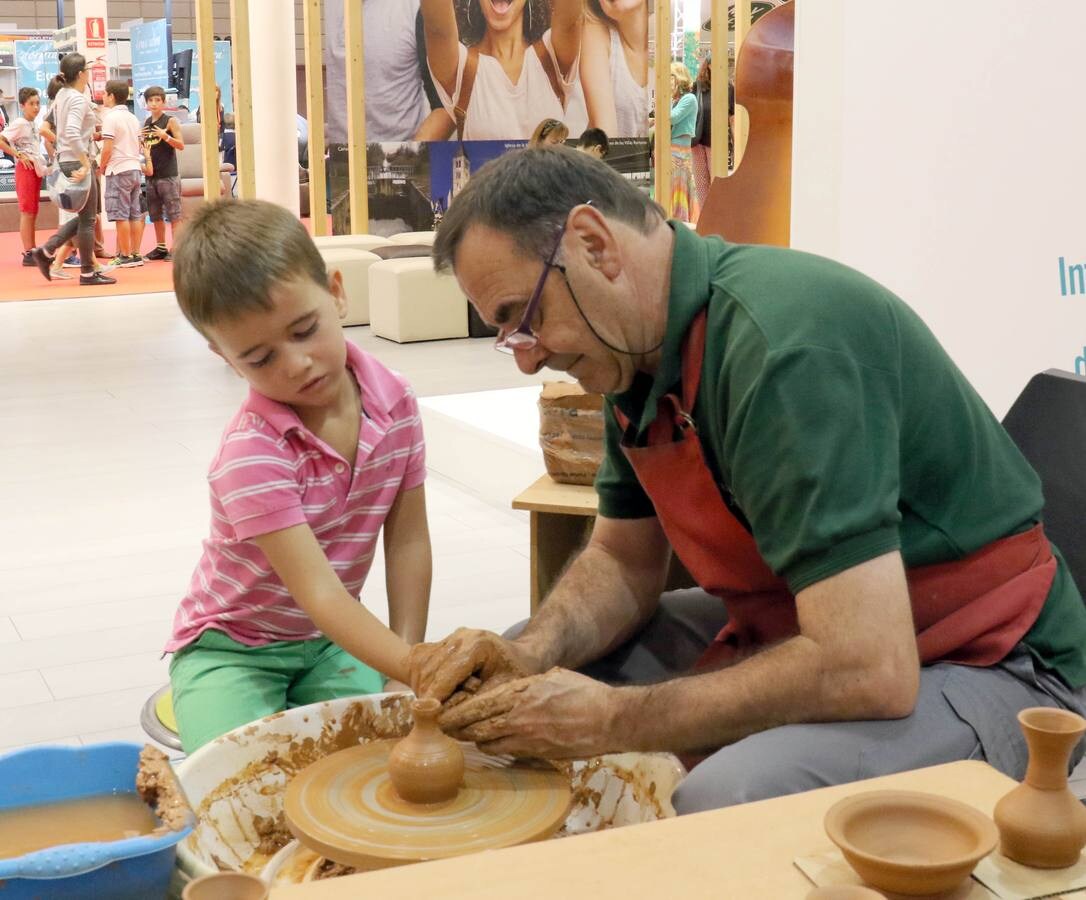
<point x="78" y="175"/>
<point x="557" y="715"/>
<point x="437" y="670"/>
<point x="25" y="160"/>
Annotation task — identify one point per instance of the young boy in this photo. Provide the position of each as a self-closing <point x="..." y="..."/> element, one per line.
<point x="162" y="136"/>
<point x="21" y="140"/>
<point x="593" y="141"/>
<point x="325" y="453"/>
<point x="122" y="162"/>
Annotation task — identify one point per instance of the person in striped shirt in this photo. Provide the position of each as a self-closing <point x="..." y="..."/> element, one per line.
<point x="325" y="454"/>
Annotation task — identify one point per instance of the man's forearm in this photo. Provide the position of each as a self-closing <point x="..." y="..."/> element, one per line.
<point x="596" y="606"/>
<point x="794" y="681"/>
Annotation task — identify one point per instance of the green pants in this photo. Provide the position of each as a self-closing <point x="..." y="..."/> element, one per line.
<point x="219" y="684"/>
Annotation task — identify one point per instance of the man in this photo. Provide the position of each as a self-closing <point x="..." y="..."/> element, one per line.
<point x="799" y="438"/>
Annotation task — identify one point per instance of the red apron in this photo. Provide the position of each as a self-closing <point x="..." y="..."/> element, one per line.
<point x="970" y="611"/>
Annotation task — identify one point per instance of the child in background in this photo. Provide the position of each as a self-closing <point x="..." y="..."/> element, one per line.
<point x="162" y="137"/>
<point x="324" y="454"/>
<point x="21" y="139"/>
<point x="593" y="141"/>
<point x="122" y="161"/>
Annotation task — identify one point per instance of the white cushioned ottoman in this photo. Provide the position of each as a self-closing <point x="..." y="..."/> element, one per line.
<point x="409" y="301"/>
<point x="413" y="237"/>
<point x="355" y="241"/>
<point x="354" y="265"/>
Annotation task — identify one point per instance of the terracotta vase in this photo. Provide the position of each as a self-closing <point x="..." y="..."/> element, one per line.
<point x="427" y="766"/>
<point x="1041" y="823"/>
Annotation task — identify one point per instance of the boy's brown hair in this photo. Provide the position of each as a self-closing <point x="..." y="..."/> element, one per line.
<point x="118" y="90"/>
<point x="25" y="93"/>
<point x="233" y="253"/>
<point x="154" y="91"/>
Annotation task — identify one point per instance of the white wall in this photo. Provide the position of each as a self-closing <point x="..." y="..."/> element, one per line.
<point x="942" y="150"/>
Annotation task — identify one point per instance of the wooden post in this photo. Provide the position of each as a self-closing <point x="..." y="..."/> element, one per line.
<point x="356" y="118"/>
<point x="243" y="98"/>
<point x="209" y="113"/>
<point x="663" y="103"/>
<point x="314" y="87"/>
<point x="719" y="97"/>
<point x="742" y="26"/>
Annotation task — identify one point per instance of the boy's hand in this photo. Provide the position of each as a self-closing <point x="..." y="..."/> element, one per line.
<point x="25" y="160"/>
<point x="161" y="132"/>
<point x="468" y="659"/>
<point x="78" y="175"/>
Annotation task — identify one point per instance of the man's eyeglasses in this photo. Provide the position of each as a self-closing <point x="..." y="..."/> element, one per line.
<point x="522" y="337"/>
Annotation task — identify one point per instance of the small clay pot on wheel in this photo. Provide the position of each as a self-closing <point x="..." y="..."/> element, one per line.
<point x="427" y="766"/>
<point x="226" y="886"/>
<point x="1041" y="823"/>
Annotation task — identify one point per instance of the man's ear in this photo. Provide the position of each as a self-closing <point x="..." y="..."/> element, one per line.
<point x="338" y="291"/>
<point x="590" y="235"/>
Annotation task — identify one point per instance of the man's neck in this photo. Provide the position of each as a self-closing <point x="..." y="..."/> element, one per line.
<point x="652" y="271"/>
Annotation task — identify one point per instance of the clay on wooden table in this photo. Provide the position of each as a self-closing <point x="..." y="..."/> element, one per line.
<point x="1041" y="822"/>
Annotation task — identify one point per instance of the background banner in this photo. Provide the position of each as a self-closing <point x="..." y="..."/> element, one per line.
<point x="35" y="64"/>
<point x="592" y="74"/>
<point x="150" y="60"/>
<point x="946" y="163"/>
<point x="223" y="73"/>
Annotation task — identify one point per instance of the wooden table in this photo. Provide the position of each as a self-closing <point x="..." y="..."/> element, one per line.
<point x="561" y="519"/>
<point x="742" y="852"/>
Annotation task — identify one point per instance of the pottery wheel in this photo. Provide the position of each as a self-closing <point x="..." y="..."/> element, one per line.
<point x="345" y="807"/>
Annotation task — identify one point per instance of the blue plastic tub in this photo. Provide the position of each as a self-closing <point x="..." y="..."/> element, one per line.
<point x="130" y="869"/>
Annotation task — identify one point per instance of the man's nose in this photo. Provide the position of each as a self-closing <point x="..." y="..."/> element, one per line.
<point x="531" y="361"/>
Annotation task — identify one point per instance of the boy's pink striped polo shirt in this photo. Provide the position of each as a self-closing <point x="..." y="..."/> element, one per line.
<point x="270" y="473"/>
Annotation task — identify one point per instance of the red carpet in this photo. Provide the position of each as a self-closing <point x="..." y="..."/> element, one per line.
<point x="24" y="283"/>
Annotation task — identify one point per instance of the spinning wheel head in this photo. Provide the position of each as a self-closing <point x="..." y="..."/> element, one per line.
<point x="345" y="808"/>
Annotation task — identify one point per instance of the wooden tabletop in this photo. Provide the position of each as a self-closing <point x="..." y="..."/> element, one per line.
<point x="742" y="851"/>
<point x="549" y="496"/>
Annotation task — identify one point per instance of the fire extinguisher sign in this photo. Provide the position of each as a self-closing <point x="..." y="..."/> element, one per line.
<point x="96" y="33"/>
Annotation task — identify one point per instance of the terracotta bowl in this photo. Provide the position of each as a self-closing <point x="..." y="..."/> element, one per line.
<point x="908" y="842"/>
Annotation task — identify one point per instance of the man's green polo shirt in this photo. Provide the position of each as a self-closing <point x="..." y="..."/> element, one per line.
<point x="837" y="426"/>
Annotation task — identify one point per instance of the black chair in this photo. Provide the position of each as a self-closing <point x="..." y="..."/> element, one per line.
<point x="1048" y="423"/>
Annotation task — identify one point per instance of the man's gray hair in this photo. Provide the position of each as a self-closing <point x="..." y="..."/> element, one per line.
<point x="527" y="194"/>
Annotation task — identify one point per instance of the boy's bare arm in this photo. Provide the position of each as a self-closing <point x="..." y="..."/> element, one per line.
<point x="107" y="152"/>
<point x="174" y="127"/>
<point x="408" y="565"/>
<point x="300" y="562"/>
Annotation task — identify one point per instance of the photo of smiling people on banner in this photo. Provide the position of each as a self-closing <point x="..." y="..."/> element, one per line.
<point x="615" y="66"/>
<point x="502" y="66"/>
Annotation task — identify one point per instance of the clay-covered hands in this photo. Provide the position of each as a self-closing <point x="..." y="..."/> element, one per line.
<point x="557" y="715"/>
<point x="468" y="658"/>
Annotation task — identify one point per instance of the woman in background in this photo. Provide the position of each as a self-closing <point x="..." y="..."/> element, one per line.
<point x="521" y="63"/>
<point x="549" y="131"/>
<point x="684" y="115"/>
<point x="615" y="66"/>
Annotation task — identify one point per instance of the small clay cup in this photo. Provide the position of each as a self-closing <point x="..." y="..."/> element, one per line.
<point x="427" y="766"/>
<point x="226" y="886"/>
<point x="1041" y="822"/>
<point x="909" y="842"/>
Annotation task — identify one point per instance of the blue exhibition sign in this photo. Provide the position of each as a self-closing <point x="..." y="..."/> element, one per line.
<point x="223" y="73"/>
<point x="150" y="60"/>
<point x="35" y="64"/>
